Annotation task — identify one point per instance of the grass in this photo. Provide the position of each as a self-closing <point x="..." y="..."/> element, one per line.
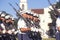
<point x="49" y="39"/>
<point x="45" y="39"/>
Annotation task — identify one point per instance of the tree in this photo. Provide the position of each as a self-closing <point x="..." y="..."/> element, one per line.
<point x="58" y="5"/>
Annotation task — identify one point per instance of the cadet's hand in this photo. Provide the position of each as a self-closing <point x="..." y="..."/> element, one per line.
<point x="13" y="30"/>
<point x="16" y="32"/>
<point x="33" y="29"/>
<point x="36" y="30"/>
<point x="25" y="29"/>
<point x="4" y="31"/>
<point x="9" y="32"/>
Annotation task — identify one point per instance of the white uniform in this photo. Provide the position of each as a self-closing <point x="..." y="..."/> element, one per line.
<point x="21" y="24"/>
<point x="57" y="25"/>
<point x="58" y="22"/>
<point x="24" y="36"/>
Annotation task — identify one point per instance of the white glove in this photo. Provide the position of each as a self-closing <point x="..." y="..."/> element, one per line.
<point x="9" y="32"/>
<point x="33" y="29"/>
<point x="37" y="30"/>
<point x="13" y="30"/>
<point x="4" y="31"/>
<point x="41" y="31"/>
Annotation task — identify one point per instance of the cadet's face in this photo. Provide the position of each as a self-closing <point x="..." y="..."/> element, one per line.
<point x="9" y="20"/>
<point x="59" y="10"/>
<point x="24" y="15"/>
<point x="35" y="19"/>
<point x="3" y="19"/>
<point x="30" y="17"/>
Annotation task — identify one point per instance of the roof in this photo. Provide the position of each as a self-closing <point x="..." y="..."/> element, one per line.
<point x="39" y="11"/>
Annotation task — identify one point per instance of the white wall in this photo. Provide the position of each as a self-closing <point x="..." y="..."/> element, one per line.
<point x="44" y="20"/>
<point x="25" y="4"/>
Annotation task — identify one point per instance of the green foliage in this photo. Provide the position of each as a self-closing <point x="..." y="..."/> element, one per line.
<point x="49" y="39"/>
<point x="58" y="5"/>
<point x="53" y="15"/>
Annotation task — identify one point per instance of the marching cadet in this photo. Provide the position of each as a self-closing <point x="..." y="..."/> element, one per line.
<point x="2" y="20"/>
<point x="35" y="35"/>
<point x="10" y="27"/>
<point x="36" y="23"/>
<point x="0" y="27"/>
<point x="24" y="27"/>
<point x="57" y="34"/>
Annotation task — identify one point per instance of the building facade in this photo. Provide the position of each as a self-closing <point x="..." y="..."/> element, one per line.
<point x="23" y="4"/>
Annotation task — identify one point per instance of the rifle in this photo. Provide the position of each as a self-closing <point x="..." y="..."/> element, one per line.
<point x="53" y="14"/>
<point x="55" y="9"/>
<point x="18" y="6"/>
<point x="14" y="9"/>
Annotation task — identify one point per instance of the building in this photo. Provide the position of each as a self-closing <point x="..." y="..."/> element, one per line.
<point x="23" y="4"/>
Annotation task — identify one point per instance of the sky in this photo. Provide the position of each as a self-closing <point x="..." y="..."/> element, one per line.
<point x="4" y="5"/>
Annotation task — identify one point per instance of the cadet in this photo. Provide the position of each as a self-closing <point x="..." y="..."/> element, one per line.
<point x="34" y="34"/>
<point x="58" y="26"/>
<point x="24" y="26"/>
<point x="0" y="27"/>
<point x="3" y="25"/>
<point x="10" y="27"/>
<point x="36" y="23"/>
